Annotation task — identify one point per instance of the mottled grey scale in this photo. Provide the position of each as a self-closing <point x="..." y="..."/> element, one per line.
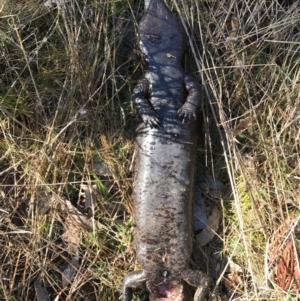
<point x="167" y="100"/>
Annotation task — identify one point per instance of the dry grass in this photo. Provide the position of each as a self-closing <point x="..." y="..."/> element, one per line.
<point x="67" y="73"/>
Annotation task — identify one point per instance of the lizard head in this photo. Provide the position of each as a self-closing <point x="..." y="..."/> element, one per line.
<point x="162" y="39"/>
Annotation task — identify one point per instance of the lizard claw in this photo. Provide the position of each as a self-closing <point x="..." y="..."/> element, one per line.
<point x="187" y="114"/>
<point x="151" y="120"/>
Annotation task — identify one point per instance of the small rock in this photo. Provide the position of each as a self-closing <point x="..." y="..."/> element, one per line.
<point x="216" y="194"/>
<point x="70" y="271"/>
<point x="204" y="187"/>
<point x="87" y="14"/>
<point x="147" y="2"/>
<point x="101" y="168"/>
<point x="41" y="292"/>
<point x="213" y="183"/>
<point x="50" y="3"/>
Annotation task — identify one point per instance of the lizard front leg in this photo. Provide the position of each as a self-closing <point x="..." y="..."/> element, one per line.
<point x="132" y="280"/>
<point x="140" y="98"/>
<point x="193" y="101"/>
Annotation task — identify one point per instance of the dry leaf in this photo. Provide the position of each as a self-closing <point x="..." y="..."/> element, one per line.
<point x="74" y="222"/>
<point x="208" y="233"/>
<point x="283" y="256"/>
<point x="80" y="219"/>
<point x="243" y="125"/>
<point x="91" y="194"/>
<point x="200" y="211"/>
<point x="234" y="26"/>
<point x="232" y="278"/>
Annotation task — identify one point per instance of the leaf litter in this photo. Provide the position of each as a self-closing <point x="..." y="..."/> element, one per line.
<point x="283" y="255"/>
